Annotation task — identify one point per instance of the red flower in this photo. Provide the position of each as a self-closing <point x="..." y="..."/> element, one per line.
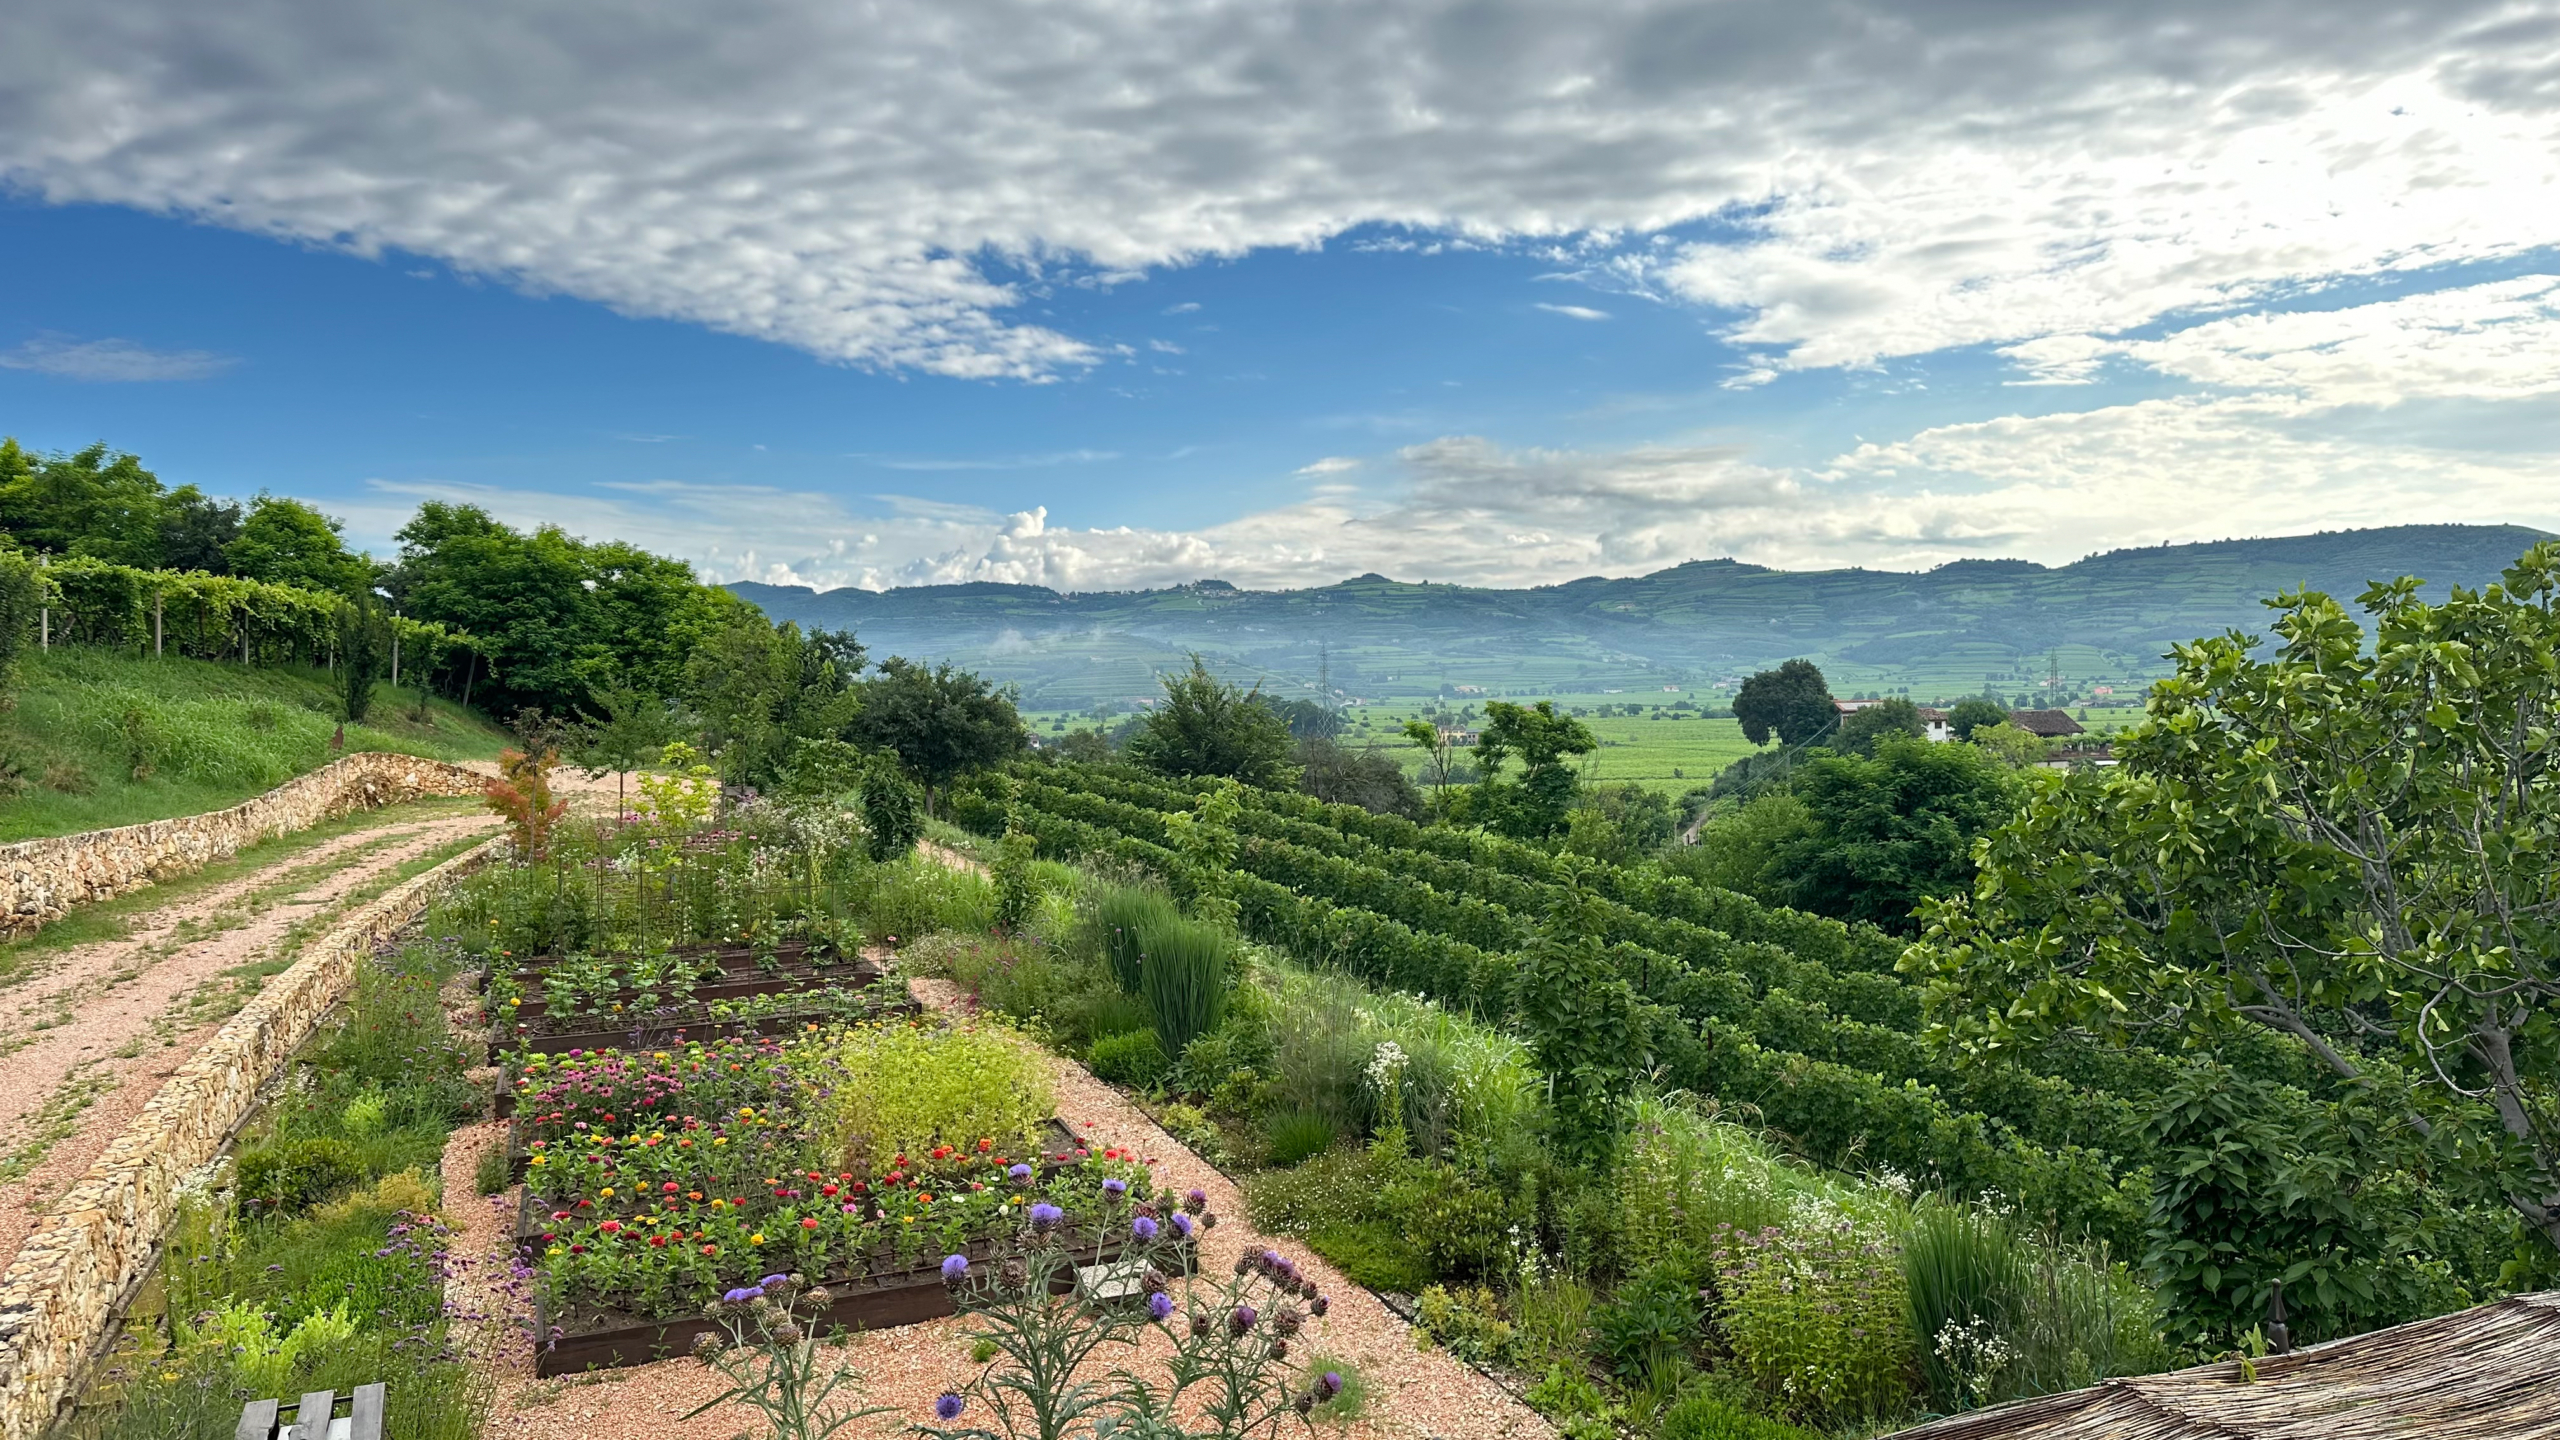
<point x="808" y="1224"/>
<point x="710" y="1249"/>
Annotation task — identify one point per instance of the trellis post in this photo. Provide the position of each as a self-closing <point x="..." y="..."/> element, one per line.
<point x="156" y="602"/>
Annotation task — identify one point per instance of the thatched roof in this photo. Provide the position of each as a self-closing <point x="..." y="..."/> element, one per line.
<point x="2491" y="1373"/>
<point x="2051" y="724"/>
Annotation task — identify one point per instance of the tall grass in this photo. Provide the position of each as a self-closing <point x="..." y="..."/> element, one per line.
<point x="1463" y="1084"/>
<point x="1183" y="975"/>
<point x="1122" y="916"/>
<point x="1682" y="1173"/>
<point x="2001" y="1314"/>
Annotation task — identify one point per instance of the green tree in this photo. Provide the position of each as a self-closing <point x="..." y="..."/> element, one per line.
<point x="635" y="729"/>
<point x="554" y="617"/>
<point x="1792" y="702"/>
<point x="285" y="542"/>
<point x="1539" y="804"/>
<point x="760" y="688"/>
<point x="1583" y="1024"/>
<point x="1860" y="730"/>
<point x="1738" y="848"/>
<point x="1972" y="713"/>
<point x="891" y="812"/>
<point x="89" y="502"/>
<point x="20" y="597"/>
<point x="364" y="655"/>
<point x="1333" y="772"/>
<point x="196" y="532"/>
<point x="2348" y="841"/>
<point x="2016" y="748"/>
<point x="1205" y="726"/>
<point x="1891" y="830"/>
<point x="1440" y="756"/>
<point x="940" y="722"/>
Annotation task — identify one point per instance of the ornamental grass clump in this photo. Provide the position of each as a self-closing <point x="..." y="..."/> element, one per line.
<point x="1182" y="975"/>
<point x="1816" y="1318"/>
<point x="903" y="1088"/>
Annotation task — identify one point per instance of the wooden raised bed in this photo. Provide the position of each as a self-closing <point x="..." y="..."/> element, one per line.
<point x="732" y="959"/>
<point x="601" y="1340"/>
<point x="649" y="1032"/>
<point x="736" y="985"/>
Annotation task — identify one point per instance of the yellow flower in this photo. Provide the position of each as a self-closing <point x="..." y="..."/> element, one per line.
<point x="555" y="1250"/>
<point x="605" y="1194"/>
<point x="537" y="1160"/>
<point x="910" y="1219"/>
<point x="756" y="1239"/>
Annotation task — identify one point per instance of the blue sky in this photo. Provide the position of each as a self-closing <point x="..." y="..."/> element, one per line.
<point x="1519" y="301"/>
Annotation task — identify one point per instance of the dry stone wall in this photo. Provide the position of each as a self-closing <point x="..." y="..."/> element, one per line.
<point x="98" y="1240"/>
<point x="41" y="880"/>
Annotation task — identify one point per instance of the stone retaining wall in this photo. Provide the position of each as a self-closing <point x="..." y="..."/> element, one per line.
<point x="41" y="880"/>
<point x="99" y="1239"/>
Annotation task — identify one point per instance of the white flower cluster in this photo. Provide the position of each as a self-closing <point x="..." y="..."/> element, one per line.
<point x="1975" y="1353"/>
<point x="1385" y="1064"/>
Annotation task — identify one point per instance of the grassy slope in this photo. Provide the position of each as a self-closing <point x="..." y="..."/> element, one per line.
<point x="203" y="734"/>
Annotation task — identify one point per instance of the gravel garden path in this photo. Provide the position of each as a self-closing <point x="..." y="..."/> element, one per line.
<point x="87" y="1038"/>
<point x="1411" y="1393"/>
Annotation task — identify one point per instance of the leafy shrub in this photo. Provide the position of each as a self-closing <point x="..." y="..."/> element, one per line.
<point x="1298" y="1135"/>
<point x="1817" y="1318"/>
<point x="893" y="812"/>
<point x="1553" y="1317"/>
<point x="1652" y="1321"/>
<point x="1017" y="885"/>
<point x="490" y="1176"/>
<point x="1703" y="1416"/>
<point x="1183" y="976"/>
<point x="912" y="897"/>
<point x="1133" y="1059"/>
<point x="901" y="1088"/>
<point x="1467" y="1321"/>
<point x="291" y="1176"/>
<point x="1455" y="1217"/>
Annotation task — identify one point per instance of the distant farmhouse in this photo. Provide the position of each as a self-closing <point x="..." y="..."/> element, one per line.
<point x="2054" y="725"/>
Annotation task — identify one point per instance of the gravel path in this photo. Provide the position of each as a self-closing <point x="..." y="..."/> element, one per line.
<point x="90" y="1038"/>
<point x="1411" y="1393"/>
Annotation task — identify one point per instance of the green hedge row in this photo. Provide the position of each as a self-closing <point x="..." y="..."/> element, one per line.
<point x="208" y="617"/>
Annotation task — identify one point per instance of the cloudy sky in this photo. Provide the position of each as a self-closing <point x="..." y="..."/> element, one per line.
<point x="1103" y="293"/>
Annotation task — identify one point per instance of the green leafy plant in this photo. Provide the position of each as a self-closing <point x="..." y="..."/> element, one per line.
<point x="900" y="1088"/>
<point x="1467" y="1322"/>
<point x="1817" y="1319"/>
<point x="1134" y="1059"/>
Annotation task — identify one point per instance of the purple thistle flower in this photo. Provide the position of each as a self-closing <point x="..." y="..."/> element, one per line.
<point x="1046" y="1217"/>
<point x="1021" y="1173"/>
<point x="1196" y="1201"/>
<point x="1160" y="1305"/>
<point x="770" y="1281"/>
<point x="1242" y="1320"/>
<point x="1332" y="1383"/>
<point x="955" y="1268"/>
<point x="742" y="1296"/>
<point x="1320" y="1304"/>
<point x="1182" y="1225"/>
<point x="1143" y="1228"/>
<point x="1115" y="1187"/>
<point x="948" y="1408"/>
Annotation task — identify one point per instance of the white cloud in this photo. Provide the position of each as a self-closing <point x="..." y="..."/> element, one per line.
<point x="889" y="184"/>
<point x="1329" y="465"/>
<point x="111" y="360"/>
<point x="1574" y="312"/>
<point x="2494" y="341"/>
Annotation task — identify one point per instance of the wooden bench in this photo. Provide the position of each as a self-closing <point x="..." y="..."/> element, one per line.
<point x="312" y="1417"/>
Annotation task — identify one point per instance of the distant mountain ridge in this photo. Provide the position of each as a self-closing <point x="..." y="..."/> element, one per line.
<point x="1957" y="629"/>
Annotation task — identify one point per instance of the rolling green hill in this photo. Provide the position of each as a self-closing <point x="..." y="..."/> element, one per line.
<point x="2006" y="625"/>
